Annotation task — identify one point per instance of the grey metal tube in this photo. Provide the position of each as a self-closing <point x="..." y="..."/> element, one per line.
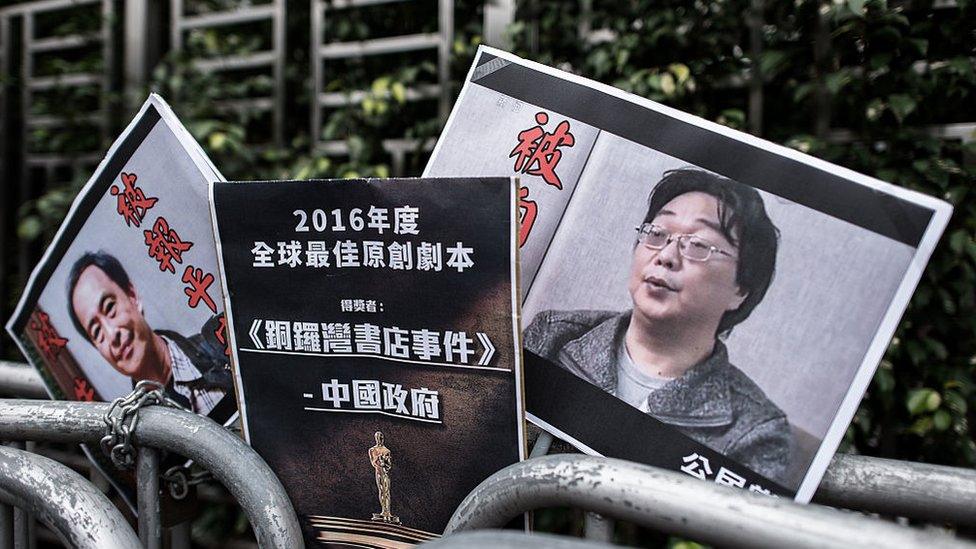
<point x="497" y="539"/>
<point x="598" y="527"/>
<point x="61" y="498"/>
<point x="674" y="503"/>
<point x="147" y="484"/>
<point x="6" y="526"/>
<point x="18" y="379"/>
<point x="933" y="493"/>
<point x="234" y="463"/>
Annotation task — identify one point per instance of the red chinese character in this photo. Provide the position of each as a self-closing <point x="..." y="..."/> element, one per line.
<point x="132" y="202"/>
<point x="538" y="152"/>
<point x="83" y="390"/>
<point x="528" y="210"/>
<point x="197" y="289"/>
<point x="48" y="339"/>
<point x="221" y="334"/>
<point x="165" y="245"/>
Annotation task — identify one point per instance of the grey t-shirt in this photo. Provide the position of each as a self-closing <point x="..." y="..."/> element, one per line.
<point x="634" y="385"/>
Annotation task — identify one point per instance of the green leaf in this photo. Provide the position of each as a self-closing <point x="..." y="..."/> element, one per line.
<point x="901" y="105"/>
<point x="942" y="420"/>
<point x="857" y="7"/>
<point x="667" y="84"/>
<point x="29" y="228"/>
<point x="923" y="400"/>
<point x="680" y="71"/>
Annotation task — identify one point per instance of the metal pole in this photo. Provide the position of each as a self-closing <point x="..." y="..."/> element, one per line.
<point x="597" y="527"/>
<point x="68" y="504"/>
<point x="234" y="463"/>
<point x="21" y="380"/>
<point x="6" y="526"/>
<point x="676" y="504"/>
<point x="147" y="483"/>
<point x="541" y="446"/>
<point x="934" y="493"/>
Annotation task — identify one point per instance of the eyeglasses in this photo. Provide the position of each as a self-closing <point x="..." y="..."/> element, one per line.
<point x="690" y="246"/>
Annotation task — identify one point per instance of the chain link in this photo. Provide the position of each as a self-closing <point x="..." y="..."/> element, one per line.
<point x="180" y="478"/>
<point x="122" y="418"/>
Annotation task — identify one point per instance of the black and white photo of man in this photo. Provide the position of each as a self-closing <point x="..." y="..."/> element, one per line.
<point x="106" y="308"/>
<point x="704" y="256"/>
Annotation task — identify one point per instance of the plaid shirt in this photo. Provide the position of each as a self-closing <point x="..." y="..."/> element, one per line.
<point x="202" y="401"/>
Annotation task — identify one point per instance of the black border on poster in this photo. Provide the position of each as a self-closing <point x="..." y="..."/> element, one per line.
<point x="806" y="185"/>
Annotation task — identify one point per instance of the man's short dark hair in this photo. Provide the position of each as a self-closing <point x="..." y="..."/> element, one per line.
<point x="108" y="265"/>
<point x="740" y="210"/>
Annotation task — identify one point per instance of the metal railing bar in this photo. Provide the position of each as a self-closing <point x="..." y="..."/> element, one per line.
<point x="62" y="42"/>
<point x="21" y="380"/>
<point x="76" y="79"/>
<point x="597" y="527"/>
<point x="346" y="4"/>
<point x="249" y="104"/>
<point x="377" y="46"/>
<point x="223" y="18"/>
<point x="44" y="5"/>
<point x="542" y="445"/>
<point x="81" y="515"/>
<point x="232" y="462"/>
<point x="934" y="493"/>
<point x="674" y="503"/>
<point x="44" y="159"/>
<point x="6" y="526"/>
<point x="964" y="131"/>
<point x="48" y="121"/>
<point x="342" y="99"/>
<point x="493" y="539"/>
<point x="234" y="62"/>
<point x="147" y="484"/>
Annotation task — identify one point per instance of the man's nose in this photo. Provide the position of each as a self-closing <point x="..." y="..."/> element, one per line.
<point x="114" y="334"/>
<point x="669" y="256"/>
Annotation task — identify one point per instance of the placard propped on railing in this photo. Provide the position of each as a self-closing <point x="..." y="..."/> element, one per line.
<point x="696" y="298"/>
<point x="376" y="345"/>
<point x="128" y="289"/>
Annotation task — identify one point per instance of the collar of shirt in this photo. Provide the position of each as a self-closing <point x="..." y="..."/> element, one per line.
<point x="183" y="369"/>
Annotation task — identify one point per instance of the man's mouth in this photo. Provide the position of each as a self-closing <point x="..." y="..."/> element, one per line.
<point x="660" y="283"/>
<point x="125" y="350"/>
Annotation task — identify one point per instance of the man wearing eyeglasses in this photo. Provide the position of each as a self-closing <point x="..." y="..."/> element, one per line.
<point x="703" y="259"/>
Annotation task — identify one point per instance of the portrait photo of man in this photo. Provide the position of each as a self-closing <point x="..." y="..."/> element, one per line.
<point x="107" y="309"/>
<point x="703" y="258"/>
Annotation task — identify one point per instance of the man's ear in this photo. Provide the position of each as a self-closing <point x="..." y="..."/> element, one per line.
<point x="134" y="296"/>
<point x="737" y="299"/>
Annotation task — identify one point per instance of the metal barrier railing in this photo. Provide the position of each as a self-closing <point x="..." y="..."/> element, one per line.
<point x="62" y="499"/>
<point x="932" y="493"/>
<point x="225" y="455"/>
<point x="674" y="503"/>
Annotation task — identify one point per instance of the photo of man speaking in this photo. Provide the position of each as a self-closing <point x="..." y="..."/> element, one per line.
<point x="106" y="308"/>
<point x="704" y="257"/>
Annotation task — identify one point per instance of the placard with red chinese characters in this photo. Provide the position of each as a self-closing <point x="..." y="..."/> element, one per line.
<point x="695" y="298"/>
<point x="128" y="290"/>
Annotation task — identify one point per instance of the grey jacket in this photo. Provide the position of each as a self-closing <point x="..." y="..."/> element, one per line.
<point x="713" y="402"/>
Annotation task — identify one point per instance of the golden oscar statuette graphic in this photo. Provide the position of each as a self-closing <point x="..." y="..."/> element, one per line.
<point x="380" y="457"/>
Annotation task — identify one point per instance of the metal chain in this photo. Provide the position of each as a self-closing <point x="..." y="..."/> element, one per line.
<point x="123" y="416"/>
<point x="179" y="479"/>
